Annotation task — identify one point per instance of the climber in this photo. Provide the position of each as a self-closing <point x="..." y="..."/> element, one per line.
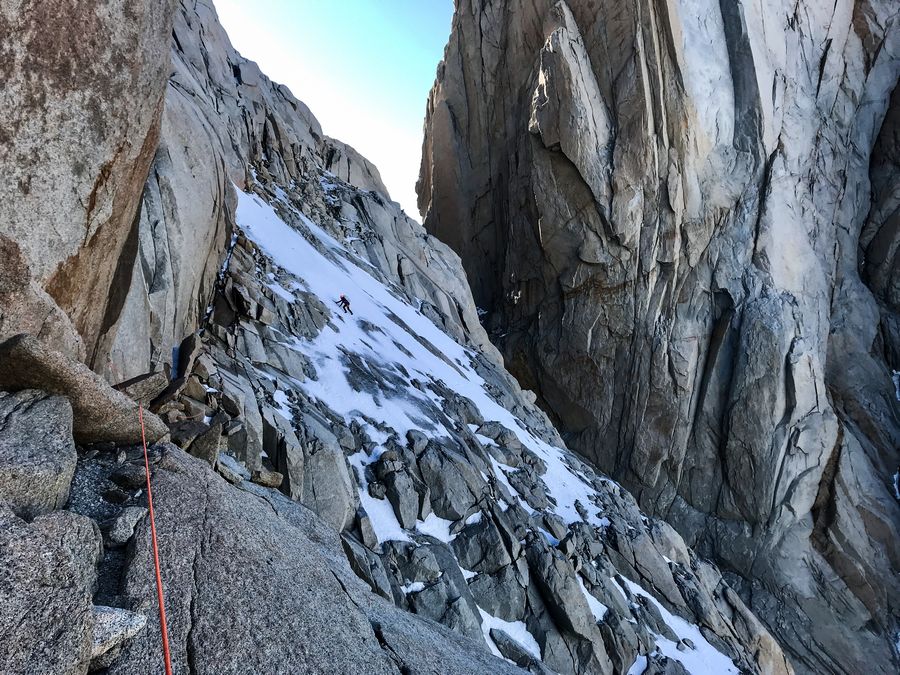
<point x="345" y="304"/>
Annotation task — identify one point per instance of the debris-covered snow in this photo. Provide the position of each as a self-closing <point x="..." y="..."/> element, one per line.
<point x="388" y="333"/>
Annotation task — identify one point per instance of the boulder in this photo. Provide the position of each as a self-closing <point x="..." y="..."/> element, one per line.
<point x="112" y="627"/>
<point x="328" y="488"/>
<point x="206" y="446"/>
<point x="266" y="478"/>
<point x="100" y="413"/>
<point x="37" y="455"/>
<point x="479" y="546"/>
<point x="367" y="566"/>
<point x="416" y="440"/>
<point x="47" y="576"/>
<point x="515" y="652"/>
<point x="122" y="528"/>
<point x="130" y="476"/>
<point x="184" y="432"/>
<point x="559" y="588"/>
<point x="144" y="388"/>
<point x="502" y="594"/>
<point x="455" y="485"/>
<point x="188" y="351"/>
<point x="280" y="444"/>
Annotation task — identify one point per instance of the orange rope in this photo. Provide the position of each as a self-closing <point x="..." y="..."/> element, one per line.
<point x="159" y="586"/>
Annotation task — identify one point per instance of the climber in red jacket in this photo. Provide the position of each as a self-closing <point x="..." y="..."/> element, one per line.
<point x="345" y="304"/>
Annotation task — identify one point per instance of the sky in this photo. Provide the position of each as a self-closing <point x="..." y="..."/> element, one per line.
<point x="364" y="68"/>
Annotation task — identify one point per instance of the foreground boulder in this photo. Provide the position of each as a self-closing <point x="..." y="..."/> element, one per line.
<point x="100" y="412"/>
<point x="112" y="627"/>
<point x="257" y="583"/>
<point x="37" y="455"/>
<point x="47" y="575"/>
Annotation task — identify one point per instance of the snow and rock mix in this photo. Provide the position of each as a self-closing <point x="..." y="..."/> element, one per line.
<point x="455" y="497"/>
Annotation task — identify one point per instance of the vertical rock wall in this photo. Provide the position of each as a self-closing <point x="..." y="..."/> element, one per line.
<point x="659" y="205"/>
<point x="82" y="95"/>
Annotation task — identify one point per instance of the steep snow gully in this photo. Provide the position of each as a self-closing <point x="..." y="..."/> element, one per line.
<point x="455" y="458"/>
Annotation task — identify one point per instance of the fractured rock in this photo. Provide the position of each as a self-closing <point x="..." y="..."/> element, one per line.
<point x="112" y="627"/>
<point x="274" y="563"/>
<point x="37" y="455"/>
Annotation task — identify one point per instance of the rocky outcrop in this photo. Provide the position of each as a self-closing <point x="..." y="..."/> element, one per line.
<point x="47" y="574"/>
<point x="99" y="413"/>
<point x="37" y="455"/>
<point x="82" y="124"/>
<point x="277" y="574"/>
<point x="489" y="527"/>
<point x="659" y="208"/>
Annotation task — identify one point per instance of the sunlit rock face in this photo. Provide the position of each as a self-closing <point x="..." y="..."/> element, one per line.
<point x="659" y="206"/>
<point x="80" y="125"/>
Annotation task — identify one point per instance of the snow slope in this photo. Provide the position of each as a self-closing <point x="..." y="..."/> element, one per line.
<point x="406" y="352"/>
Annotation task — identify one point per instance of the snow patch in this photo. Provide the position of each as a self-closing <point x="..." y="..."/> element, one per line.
<point x="639" y="665"/>
<point x="381" y="514"/>
<point x="598" y="609"/>
<point x="282" y="401"/>
<point x="437" y="527"/>
<point x="515" y="629"/>
<point x="282" y="292"/>
<point x="703" y="658"/>
<point x="414" y="587"/>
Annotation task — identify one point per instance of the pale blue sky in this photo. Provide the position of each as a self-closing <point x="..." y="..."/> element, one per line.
<point x="364" y="67"/>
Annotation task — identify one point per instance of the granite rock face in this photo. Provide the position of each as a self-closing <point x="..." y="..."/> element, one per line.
<point x="81" y="125"/>
<point x="47" y="576"/>
<point x="659" y="207"/>
<point x="37" y="455"/>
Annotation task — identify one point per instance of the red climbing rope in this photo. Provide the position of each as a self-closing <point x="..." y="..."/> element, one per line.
<point x="159" y="586"/>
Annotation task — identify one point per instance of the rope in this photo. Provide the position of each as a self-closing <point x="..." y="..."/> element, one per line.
<point x="159" y="586"/>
